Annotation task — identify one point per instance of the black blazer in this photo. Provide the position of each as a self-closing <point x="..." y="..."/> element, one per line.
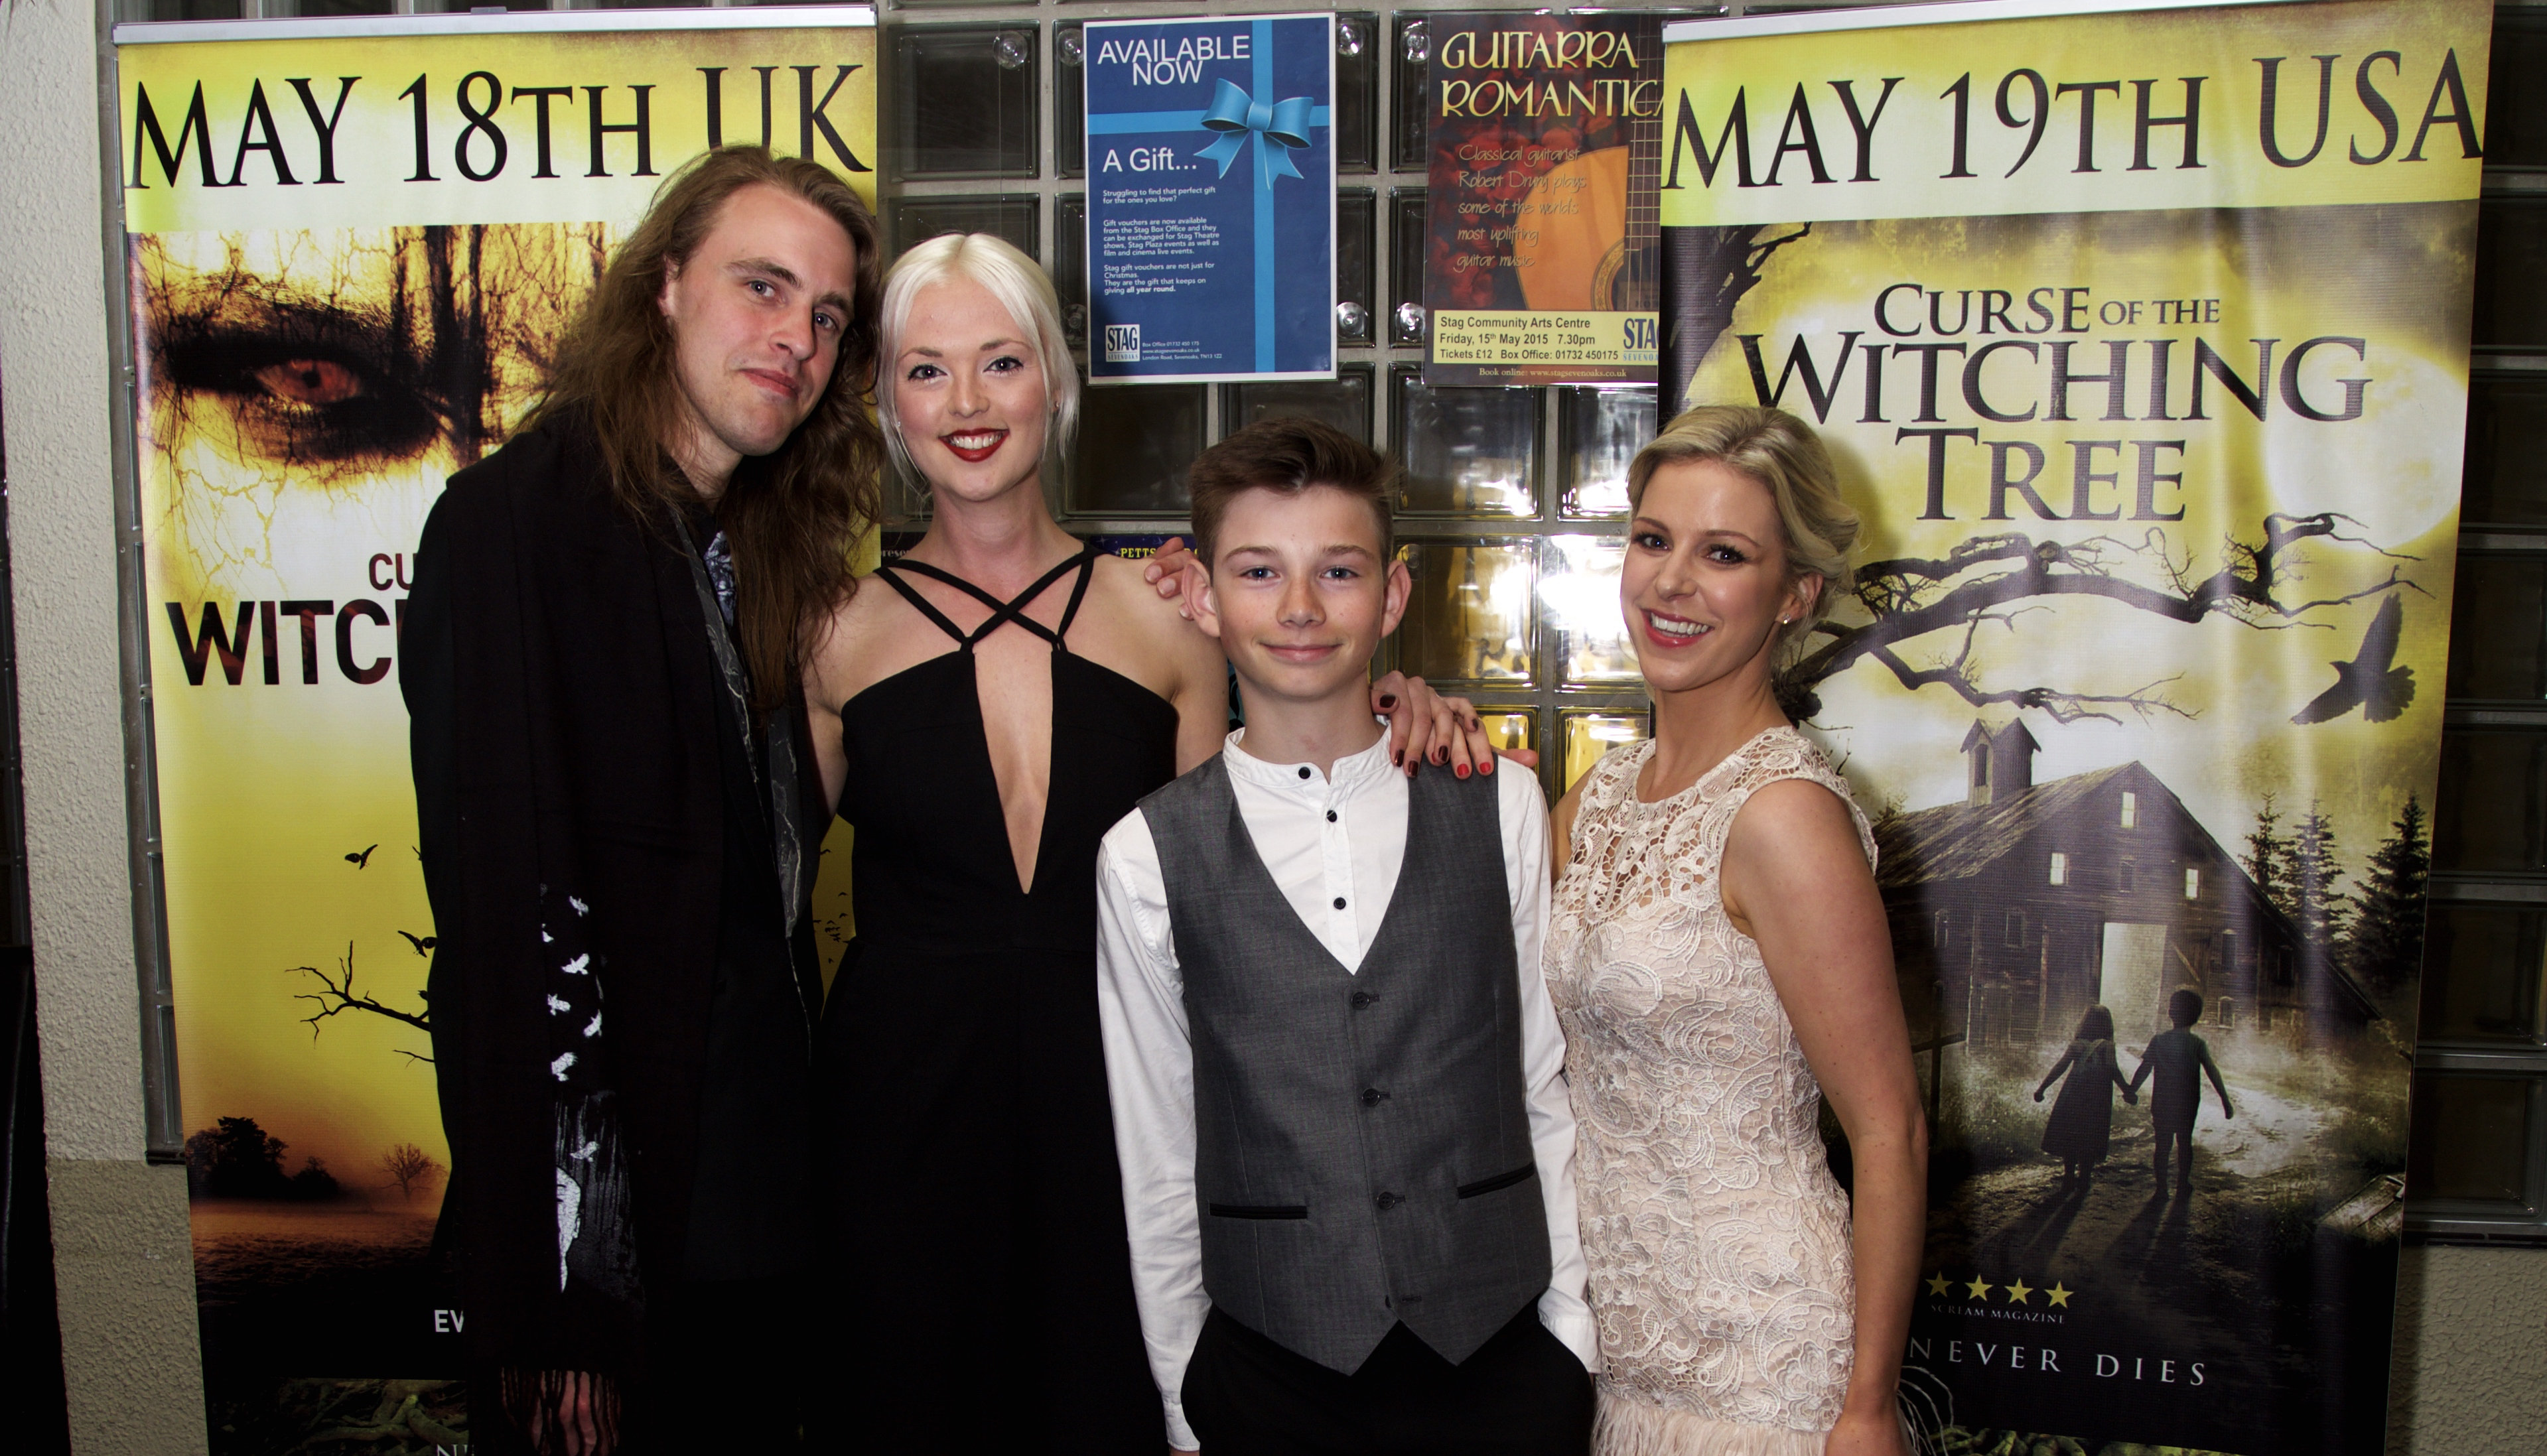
<point x="559" y="689"/>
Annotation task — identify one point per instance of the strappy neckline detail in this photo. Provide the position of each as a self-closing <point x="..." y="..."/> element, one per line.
<point x="1013" y="610"/>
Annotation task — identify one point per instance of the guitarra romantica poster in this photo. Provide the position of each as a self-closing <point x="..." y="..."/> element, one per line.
<point x="1540" y="238"/>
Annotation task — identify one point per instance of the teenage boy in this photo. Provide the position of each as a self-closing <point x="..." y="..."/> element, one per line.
<point x="2179" y="1058"/>
<point x="1348" y="1154"/>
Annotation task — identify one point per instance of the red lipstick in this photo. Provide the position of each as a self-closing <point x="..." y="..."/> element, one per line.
<point x="974" y="455"/>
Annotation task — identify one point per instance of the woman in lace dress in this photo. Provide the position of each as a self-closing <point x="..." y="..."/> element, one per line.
<point x="1719" y="960"/>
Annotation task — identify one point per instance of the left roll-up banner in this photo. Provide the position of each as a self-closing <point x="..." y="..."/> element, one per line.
<point x="351" y="246"/>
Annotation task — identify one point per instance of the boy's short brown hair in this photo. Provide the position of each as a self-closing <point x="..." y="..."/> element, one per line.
<point x="1288" y="455"/>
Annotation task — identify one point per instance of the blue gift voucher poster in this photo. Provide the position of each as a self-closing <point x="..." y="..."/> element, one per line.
<point x="1211" y="198"/>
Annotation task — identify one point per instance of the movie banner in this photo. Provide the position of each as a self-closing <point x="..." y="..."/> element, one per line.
<point x="2140" y="336"/>
<point x="352" y="246"/>
<point x="1211" y="198"/>
<point x="1544" y="138"/>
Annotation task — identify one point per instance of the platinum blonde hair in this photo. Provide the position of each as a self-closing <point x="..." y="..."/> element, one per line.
<point x="1784" y="454"/>
<point x="1020" y="285"/>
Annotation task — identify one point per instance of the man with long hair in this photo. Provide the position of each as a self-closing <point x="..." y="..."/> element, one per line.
<point x="620" y="820"/>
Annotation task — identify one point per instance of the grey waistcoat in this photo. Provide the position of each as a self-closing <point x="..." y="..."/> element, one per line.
<point x="1362" y="1150"/>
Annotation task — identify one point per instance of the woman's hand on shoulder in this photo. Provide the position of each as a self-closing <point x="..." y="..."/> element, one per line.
<point x="1426" y="727"/>
<point x="1160" y="618"/>
<point x="1169" y="571"/>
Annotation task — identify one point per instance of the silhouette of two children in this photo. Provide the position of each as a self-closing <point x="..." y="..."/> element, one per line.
<point x="2080" y="1128"/>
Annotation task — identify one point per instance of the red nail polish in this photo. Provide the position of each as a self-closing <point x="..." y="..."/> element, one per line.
<point x="1462" y="770"/>
<point x="1388" y="700"/>
<point x="1398" y="757"/>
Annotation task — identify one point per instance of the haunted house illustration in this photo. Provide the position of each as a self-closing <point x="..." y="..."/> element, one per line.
<point x="2016" y="909"/>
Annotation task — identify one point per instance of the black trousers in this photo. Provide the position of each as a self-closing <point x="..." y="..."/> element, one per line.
<point x="1522" y="1394"/>
<point x="726" y="1369"/>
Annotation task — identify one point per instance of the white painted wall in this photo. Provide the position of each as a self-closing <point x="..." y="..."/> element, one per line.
<point x="123" y="1258"/>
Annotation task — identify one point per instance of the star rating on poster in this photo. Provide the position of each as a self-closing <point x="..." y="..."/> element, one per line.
<point x="1977" y="1290"/>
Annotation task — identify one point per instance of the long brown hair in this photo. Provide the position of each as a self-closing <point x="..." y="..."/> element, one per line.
<point x="793" y="517"/>
<point x="2096" y="1024"/>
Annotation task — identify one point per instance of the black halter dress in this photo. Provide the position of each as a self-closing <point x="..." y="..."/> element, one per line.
<point x="986" y="1296"/>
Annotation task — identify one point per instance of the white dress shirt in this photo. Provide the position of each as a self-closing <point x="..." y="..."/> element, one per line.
<point x="1334" y="844"/>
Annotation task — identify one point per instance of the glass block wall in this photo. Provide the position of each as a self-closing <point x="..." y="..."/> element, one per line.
<point x="1513" y="497"/>
<point x="2478" y="1162"/>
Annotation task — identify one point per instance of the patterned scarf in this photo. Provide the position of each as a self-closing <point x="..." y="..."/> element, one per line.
<point x="596" y="1234"/>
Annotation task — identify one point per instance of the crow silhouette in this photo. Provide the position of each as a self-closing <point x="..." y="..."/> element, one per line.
<point x="2367" y="682"/>
<point x="362" y="860"/>
<point x="422" y="943"/>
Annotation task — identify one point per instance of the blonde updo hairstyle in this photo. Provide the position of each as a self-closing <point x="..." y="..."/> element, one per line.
<point x="1783" y="453"/>
<point x="1021" y="288"/>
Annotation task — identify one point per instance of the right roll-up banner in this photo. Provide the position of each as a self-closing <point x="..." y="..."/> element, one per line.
<point x="2139" y="335"/>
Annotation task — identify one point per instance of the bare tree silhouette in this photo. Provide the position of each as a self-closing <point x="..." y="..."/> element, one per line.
<point x="336" y="996"/>
<point x="1706" y="272"/>
<point x="1993" y="580"/>
<point x="411" y="1167"/>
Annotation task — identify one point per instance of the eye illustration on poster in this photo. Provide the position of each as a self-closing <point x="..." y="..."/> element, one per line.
<point x="2139" y="337"/>
<point x="343" y="289"/>
<point x="342" y="363"/>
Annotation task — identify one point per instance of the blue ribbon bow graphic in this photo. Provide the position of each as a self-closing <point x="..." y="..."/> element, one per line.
<point x="1279" y="130"/>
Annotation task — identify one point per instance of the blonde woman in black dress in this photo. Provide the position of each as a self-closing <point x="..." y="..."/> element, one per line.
<point x="985" y="709"/>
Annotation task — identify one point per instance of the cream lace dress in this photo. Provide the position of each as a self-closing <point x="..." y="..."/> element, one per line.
<point x="1718" y="1240"/>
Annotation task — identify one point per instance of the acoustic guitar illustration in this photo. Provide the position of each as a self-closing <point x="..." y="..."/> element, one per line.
<point x="1597" y="218"/>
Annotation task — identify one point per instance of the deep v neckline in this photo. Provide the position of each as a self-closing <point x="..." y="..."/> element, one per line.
<point x="1003" y="613"/>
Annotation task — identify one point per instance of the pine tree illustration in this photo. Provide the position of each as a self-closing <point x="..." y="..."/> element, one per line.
<point x="2386" y="946"/>
<point x="2268" y="858"/>
<point x="2318" y="902"/>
